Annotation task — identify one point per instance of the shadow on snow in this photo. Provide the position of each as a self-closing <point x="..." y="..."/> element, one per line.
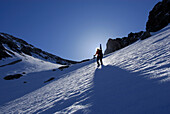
<point x="119" y="91"/>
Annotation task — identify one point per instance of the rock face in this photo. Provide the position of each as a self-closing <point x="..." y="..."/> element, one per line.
<point x="12" y="77"/>
<point x="159" y="17"/>
<point x="3" y="53"/>
<point x="118" y="43"/>
<point x="10" y="44"/>
<point x="112" y="45"/>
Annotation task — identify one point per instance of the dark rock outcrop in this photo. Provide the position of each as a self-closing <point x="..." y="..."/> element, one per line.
<point x="3" y="53"/>
<point x="12" y="77"/>
<point x="145" y="35"/>
<point x="118" y="43"/>
<point x="49" y="80"/>
<point x="159" y="16"/>
<point x="63" y="67"/>
<point x="112" y="45"/>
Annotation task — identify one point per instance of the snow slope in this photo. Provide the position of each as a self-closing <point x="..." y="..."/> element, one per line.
<point x="34" y="71"/>
<point x="133" y="80"/>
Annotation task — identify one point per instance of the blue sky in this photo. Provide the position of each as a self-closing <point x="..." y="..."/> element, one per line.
<point x="72" y="29"/>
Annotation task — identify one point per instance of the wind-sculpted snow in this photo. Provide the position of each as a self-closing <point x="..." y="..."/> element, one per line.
<point x="133" y="80"/>
<point x="62" y="96"/>
<point x="150" y="57"/>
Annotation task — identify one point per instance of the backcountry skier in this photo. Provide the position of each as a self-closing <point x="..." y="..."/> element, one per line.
<point x="99" y="56"/>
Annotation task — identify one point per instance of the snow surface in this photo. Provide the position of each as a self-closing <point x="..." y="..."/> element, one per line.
<point x="34" y="71"/>
<point x="133" y="80"/>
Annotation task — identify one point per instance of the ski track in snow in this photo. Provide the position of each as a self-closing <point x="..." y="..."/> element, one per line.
<point x="73" y="92"/>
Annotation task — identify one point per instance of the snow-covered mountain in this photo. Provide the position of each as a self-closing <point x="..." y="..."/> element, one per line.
<point x="10" y="44"/>
<point x="19" y="59"/>
<point x="133" y="80"/>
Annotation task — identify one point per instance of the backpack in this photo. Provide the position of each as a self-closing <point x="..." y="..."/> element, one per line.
<point x="100" y="53"/>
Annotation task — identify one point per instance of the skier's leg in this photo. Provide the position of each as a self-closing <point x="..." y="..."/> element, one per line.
<point x="98" y="61"/>
<point x="101" y="61"/>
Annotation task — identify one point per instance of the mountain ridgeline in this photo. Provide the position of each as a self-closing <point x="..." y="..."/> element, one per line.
<point x="159" y="17"/>
<point x="10" y="45"/>
<point x="118" y="43"/>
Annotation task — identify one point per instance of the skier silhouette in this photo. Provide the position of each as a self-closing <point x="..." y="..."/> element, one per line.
<point x="99" y="56"/>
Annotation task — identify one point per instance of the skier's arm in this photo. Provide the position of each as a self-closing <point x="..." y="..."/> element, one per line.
<point x="96" y="53"/>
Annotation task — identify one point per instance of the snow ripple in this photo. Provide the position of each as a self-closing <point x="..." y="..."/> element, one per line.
<point x="64" y="95"/>
<point x="150" y="56"/>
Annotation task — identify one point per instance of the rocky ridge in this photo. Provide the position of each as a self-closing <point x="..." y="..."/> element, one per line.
<point x="10" y="44"/>
<point x="159" y="16"/>
<point x="118" y="43"/>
